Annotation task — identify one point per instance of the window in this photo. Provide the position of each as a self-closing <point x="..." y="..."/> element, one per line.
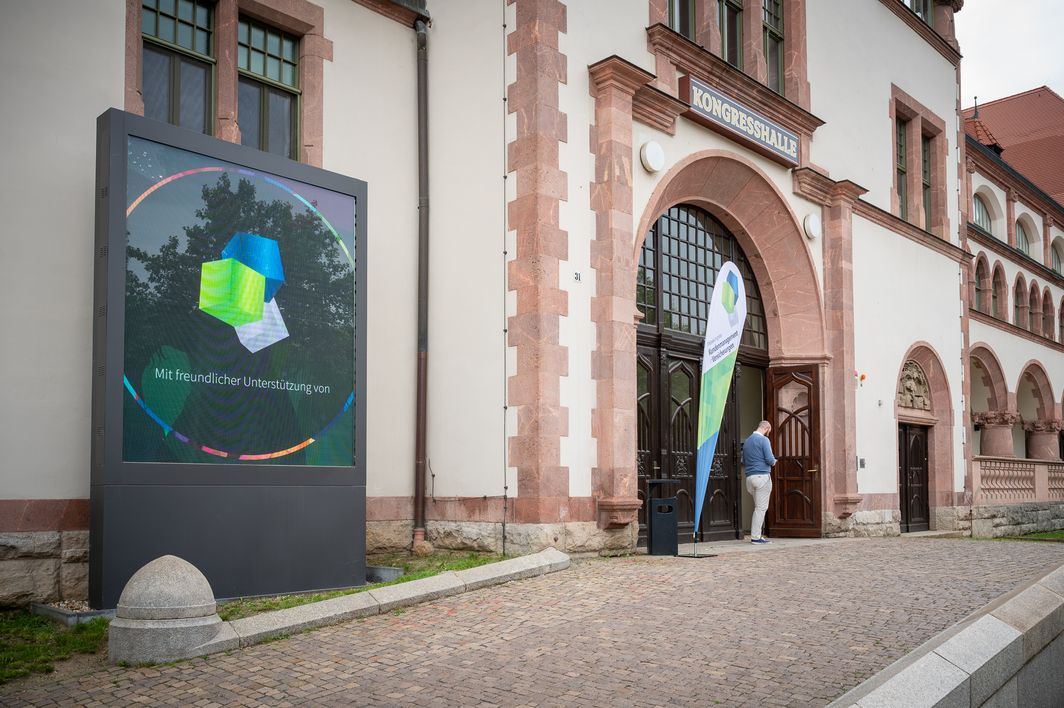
<point x="981" y="214"/>
<point x="925" y="176"/>
<point x="177" y="63"/>
<point x="981" y="281"/>
<point x="901" y="127"/>
<point x="1019" y="302"/>
<point x="1022" y="242"/>
<point x="997" y="295"/>
<point x="682" y="17"/>
<point x="731" y="32"/>
<point x="678" y="265"/>
<point x="1058" y="265"/>
<point x="923" y="10"/>
<point x="773" y="41"/>
<point x="1034" y="310"/>
<point x="1047" y="315"/>
<point x="268" y="94"/>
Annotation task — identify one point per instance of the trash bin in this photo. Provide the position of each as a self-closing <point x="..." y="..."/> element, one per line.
<point x="661" y="520"/>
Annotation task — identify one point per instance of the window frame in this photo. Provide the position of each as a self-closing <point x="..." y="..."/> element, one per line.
<point x="924" y="9"/>
<point x="773" y="33"/>
<point x="981" y="214"/>
<point x="1023" y="241"/>
<point x="266" y="85"/>
<point x="675" y="10"/>
<point x="901" y="169"/>
<point x="302" y="18"/>
<point x="175" y="53"/>
<point x="725" y="44"/>
<point x="925" y="177"/>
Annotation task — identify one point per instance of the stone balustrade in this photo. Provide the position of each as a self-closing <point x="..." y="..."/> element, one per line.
<point x="1010" y="480"/>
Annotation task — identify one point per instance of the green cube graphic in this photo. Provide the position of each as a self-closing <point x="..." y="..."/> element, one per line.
<point x="231" y="292"/>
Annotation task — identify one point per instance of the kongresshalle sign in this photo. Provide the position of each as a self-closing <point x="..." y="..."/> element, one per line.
<point x="715" y="110"/>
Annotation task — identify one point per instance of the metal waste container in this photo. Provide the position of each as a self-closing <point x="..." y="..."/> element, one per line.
<point x="661" y="519"/>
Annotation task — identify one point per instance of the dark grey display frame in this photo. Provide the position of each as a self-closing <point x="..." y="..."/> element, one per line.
<point x="253" y="529"/>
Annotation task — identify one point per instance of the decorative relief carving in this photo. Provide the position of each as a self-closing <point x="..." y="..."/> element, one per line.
<point x="996" y="418"/>
<point x="913" y="390"/>
<point x="1042" y="426"/>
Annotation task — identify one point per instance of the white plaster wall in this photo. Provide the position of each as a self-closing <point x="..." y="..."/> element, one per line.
<point x="48" y="117"/>
<point x="467" y="346"/>
<point x="850" y="73"/>
<point x="380" y="147"/>
<point x="596" y="30"/>
<point x="904" y="293"/>
<point x="371" y="133"/>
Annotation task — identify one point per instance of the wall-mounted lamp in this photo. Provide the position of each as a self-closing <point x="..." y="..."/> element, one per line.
<point x="652" y="157"/>
<point x="813" y="226"/>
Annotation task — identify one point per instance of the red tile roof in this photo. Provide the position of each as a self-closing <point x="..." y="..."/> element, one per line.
<point x="1030" y="127"/>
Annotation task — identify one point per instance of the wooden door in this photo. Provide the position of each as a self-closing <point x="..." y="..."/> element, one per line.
<point x="666" y="448"/>
<point x="912" y="478"/>
<point x="793" y="405"/>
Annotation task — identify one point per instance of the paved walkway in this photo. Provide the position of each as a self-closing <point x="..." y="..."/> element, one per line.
<point x="778" y="625"/>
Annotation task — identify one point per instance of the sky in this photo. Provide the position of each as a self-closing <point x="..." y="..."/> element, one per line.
<point x="1010" y="47"/>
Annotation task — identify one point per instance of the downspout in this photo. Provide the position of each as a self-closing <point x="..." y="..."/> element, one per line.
<point x="420" y="444"/>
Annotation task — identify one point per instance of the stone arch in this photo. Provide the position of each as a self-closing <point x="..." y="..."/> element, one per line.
<point x="992" y="378"/>
<point x="1034" y="382"/>
<point x="1056" y="255"/>
<point x="1048" y="316"/>
<point x="939" y="420"/>
<point x="1020" y="303"/>
<point x="993" y="209"/>
<point x="999" y="293"/>
<point x="742" y="197"/>
<point x="980" y="295"/>
<point x="1032" y="232"/>
<point x="1034" y="310"/>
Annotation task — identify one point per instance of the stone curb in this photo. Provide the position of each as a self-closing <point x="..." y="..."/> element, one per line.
<point x="278" y="623"/>
<point x="1003" y="652"/>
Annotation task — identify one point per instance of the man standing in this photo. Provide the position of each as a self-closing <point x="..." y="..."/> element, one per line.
<point x="758" y="461"/>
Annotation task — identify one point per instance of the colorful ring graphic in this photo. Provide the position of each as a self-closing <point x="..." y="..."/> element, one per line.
<point x="167" y="428"/>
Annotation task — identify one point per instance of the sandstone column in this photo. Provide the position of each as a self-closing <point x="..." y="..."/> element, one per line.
<point x="997" y="432"/>
<point x="1044" y="443"/>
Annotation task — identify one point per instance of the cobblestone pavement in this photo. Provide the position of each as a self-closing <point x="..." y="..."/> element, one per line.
<point x="766" y="627"/>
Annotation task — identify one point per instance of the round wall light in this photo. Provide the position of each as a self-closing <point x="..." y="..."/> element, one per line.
<point x="813" y="227"/>
<point x="652" y="156"/>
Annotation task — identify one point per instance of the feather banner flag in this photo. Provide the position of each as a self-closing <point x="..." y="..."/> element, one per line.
<point x="724" y="331"/>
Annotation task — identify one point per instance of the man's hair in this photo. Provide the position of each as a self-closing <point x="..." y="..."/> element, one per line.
<point x="763" y="425"/>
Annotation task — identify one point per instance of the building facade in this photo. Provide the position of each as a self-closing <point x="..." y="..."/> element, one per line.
<point x="590" y="164"/>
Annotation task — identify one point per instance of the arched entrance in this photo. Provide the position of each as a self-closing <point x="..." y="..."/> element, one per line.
<point x="680" y="258"/>
<point x="742" y="199"/>
<point x="924" y="411"/>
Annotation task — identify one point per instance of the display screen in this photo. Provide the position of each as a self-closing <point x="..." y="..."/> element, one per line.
<point x="239" y="314"/>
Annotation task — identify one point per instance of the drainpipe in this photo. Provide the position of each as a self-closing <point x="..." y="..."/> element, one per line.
<point x="421" y="427"/>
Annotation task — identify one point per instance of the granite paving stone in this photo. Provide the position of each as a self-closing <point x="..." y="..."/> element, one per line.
<point x="776" y="626"/>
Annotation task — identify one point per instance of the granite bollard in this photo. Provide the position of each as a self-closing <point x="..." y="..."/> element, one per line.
<point x="166" y="612"/>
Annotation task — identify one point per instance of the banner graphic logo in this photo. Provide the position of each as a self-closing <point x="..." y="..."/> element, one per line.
<point x="724" y="331"/>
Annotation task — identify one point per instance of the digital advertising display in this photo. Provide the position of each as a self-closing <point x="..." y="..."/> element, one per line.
<point x="239" y="314"/>
<point x="229" y="363"/>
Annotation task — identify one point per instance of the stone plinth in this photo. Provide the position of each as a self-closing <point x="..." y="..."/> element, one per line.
<point x="166" y="612"/>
